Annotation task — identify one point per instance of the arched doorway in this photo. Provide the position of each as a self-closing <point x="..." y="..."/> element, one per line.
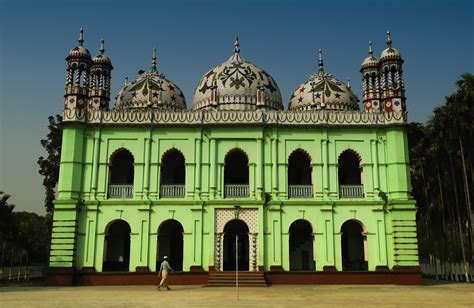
<point x="236" y="174"/>
<point x="301" y="246"/>
<point x="231" y="229"/>
<point x="353" y="246"/>
<point x="170" y="243"/>
<point x="117" y="247"/>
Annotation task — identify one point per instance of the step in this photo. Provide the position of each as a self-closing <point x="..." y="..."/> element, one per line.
<point x="227" y="279"/>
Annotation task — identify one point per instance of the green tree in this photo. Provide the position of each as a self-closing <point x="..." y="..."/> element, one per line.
<point x="49" y="166"/>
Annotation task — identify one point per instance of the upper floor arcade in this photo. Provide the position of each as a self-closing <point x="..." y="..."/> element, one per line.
<point x="254" y="163"/>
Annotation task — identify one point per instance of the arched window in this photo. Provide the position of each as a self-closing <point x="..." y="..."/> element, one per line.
<point x="236" y="175"/>
<point x="170" y="244"/>
<point x="350" y="175"/>
<point x="117" y="247"/>
<point x="373" y="81"/>
<point x="299" y="175"/>
<point x="121" y="171"/>
<point x="301" y="246"/>
<point x="172" y="181"/>
<point x="353" y="246"/>
<point x="393" y="76"/>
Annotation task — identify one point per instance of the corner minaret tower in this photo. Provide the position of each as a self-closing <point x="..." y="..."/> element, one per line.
<point x="99" y="86"/>
<point x="371" y="82"/>
<point x="391" y="76"/>
<point x="78" y="71"/>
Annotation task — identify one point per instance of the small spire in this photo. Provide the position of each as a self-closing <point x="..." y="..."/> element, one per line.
<point x="81" y="37"/>
<point x="371" y="51"/>
<point x="236" y="45"/>
<point x="320" y="60"/>
<point x="349" y="83"/>
<point x="153" y="60"/>
<point x="102" y="47"/>
<point x="126" y="80"/>
<point x="389" y="40"/>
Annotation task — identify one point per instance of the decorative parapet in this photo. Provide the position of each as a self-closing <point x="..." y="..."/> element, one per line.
<point x="256" y="117"/>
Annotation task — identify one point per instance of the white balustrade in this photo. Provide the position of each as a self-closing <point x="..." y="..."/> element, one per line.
<point x="300" y="191"/>
<point x="120" y="191"/>
<point x="236" y="191"/>
<point x="172" y="191"/>
<point x="351" y="191"/>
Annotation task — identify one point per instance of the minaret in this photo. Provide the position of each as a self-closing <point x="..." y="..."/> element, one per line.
<point x="392" y="84"/>
<point x="371" y="82"/>
<point x="77" y="80"/>
<point x="99" y="86"/>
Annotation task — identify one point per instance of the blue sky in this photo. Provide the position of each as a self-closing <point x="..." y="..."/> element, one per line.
<point x="435" y="39"/>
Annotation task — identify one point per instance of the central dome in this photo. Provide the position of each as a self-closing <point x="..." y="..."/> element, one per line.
<point x="237" y="85"/>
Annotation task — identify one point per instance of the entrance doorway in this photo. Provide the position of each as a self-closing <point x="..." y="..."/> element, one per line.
<point x="170" y="244"/>
<point x="231" y="229"/>
<point x="301" y="246"/>
<point x="117" y="247"/>
<point x="353" y="247"/>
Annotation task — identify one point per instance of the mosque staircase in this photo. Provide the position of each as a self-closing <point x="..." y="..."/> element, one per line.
<point x="227" y="279"/>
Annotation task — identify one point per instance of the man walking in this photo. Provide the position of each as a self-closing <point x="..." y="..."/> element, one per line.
<point x="165" y="269"/>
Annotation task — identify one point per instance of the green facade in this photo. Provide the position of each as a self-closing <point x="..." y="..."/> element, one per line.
<point x="83" y="210"/>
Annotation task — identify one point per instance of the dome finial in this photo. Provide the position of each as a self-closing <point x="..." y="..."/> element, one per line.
<point x="320" y="60"/>
<point x="349" y="83"/>
<point x="389" y="40"/>
<point x="371" y="51"/>
<point x="236" y="45"/>
<point x="81" y="37"/>
<point x="126" y="80"/>
<point x="153" y="60"/>
<point x="102" y="47"/>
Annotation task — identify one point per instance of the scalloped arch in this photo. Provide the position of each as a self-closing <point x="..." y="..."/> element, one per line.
<point x="234" y="150"/>
<point x="302" y="151"/>
<point x="169" y="151"/>
<point x="354" y="152"/>
<point x="118" y="150"/>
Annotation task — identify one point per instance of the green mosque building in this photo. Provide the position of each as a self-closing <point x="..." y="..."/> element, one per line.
<point x="318" y="193"/>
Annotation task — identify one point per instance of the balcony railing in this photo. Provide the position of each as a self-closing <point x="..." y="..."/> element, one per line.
<point x="172" y="191"/>
<point x="300" y="191"/>
<point x="120" y="191"/>
<point x="236" y="190"/>
<point x="351" y="191"/>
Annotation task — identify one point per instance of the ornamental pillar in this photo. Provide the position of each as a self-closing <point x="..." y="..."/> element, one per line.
<point x="259" y="167"/>
<point x="213" y="168"/>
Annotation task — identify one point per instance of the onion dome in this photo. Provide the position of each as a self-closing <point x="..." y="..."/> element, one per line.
<point x="150" y="90"/>
<point x="237" y="84"/>
<point x="370" y="61"/>
<point x="79" y="51"/>
<point x="101" y="58"/>
<point x="323" y="91"/>
<point x="390" y="53"/>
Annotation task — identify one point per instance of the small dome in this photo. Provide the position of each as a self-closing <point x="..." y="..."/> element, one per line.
<point x="150" y="90"/>
<point x="101" y="58"/>
<point x="370" y="61"/>
<point x="80" y="50"/>
<point x="237" y="85"/>
<point x="390" y="53"/>
<point x="323" y="91"/>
